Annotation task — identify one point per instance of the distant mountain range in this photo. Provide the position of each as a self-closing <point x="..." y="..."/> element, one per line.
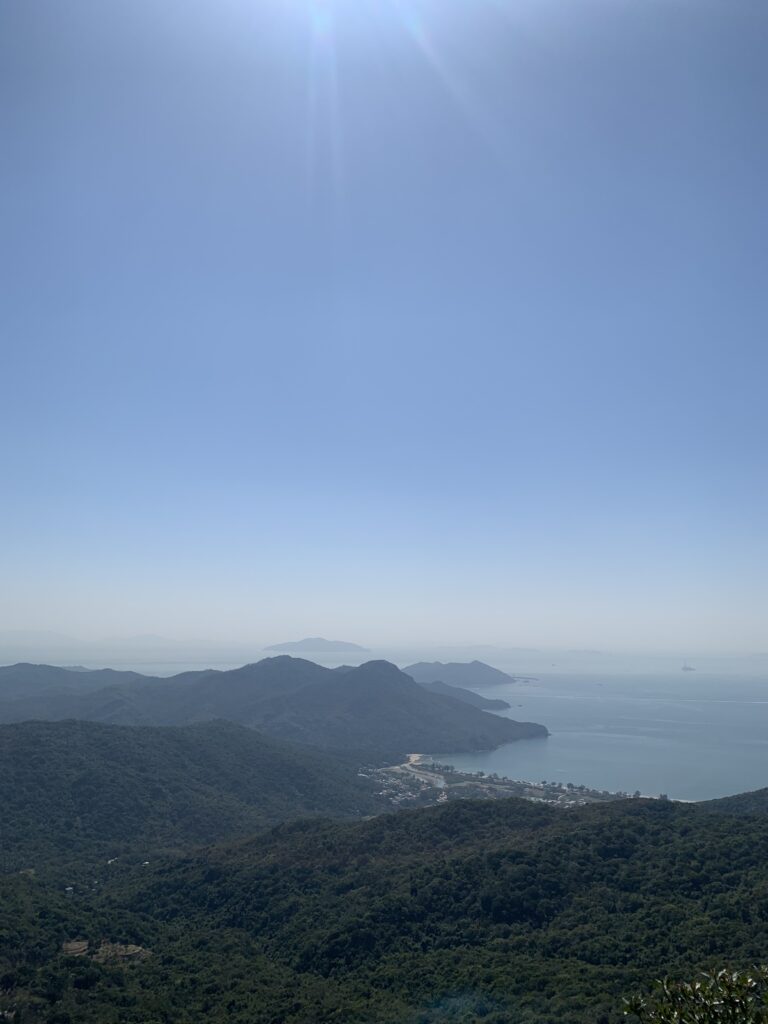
<point x="46" y="640"/>
<point x="26" y="682"/>
<point x="315" y="645"/>
<point x="458" y="673"/>
<point x="36" y="639"/>
<point x="374" y="711"/>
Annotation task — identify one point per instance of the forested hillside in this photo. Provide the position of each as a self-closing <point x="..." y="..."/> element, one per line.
<point x="87" y="790"/>
<point x="469" y="912"/>
<point x="755" y="802"/>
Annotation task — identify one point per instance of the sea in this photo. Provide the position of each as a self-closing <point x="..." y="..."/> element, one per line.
<point x="631" y="723"/>
<point x="691" y="737"/>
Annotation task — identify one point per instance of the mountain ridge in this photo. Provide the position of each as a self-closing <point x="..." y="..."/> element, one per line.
<point x="373" y="709"/>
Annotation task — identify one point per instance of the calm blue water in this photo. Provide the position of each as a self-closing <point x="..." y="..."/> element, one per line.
<point x="691" y="735"/>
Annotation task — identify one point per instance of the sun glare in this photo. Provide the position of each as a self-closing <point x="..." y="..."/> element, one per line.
<point x="329" y="33"/>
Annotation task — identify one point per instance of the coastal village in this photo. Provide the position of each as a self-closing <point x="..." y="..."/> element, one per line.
<point x="420" y="782"/>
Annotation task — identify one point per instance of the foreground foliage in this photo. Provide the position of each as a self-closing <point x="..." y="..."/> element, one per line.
<point x="738" y="997"/>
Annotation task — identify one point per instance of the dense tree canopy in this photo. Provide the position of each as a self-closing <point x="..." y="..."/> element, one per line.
<point x="469" y="912"/>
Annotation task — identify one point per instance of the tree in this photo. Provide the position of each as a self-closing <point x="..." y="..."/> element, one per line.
<point x="727" y="997"/>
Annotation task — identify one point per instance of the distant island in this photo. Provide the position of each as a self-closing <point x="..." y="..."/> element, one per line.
<point x="315" y="644"/>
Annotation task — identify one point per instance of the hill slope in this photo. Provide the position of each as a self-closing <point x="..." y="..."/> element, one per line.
<point x="378" y="708"/>
<point x="84" y="789"/>
<point x="458" y="673"/>
<point x="754" y="802"/>
<point x="466" y="696"/>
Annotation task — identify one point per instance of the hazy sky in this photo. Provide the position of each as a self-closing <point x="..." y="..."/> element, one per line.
<point x="386" y="320"/>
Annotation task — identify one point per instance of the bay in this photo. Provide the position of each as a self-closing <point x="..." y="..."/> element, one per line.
<point x="692" y="736"/>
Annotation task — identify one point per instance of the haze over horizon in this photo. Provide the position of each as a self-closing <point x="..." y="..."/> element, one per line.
<point x="392" y="322"/>
<point x="158" y="655"/>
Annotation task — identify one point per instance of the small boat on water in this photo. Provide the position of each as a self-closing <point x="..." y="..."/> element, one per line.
<point x="687" y="668"/>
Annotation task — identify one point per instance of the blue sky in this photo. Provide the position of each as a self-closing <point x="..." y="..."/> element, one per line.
<point x="396" y="321"/>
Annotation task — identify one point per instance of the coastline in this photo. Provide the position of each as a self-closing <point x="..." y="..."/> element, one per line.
<point x="421" y="780"/>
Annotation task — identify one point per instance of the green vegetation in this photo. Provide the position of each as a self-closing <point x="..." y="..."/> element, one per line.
<point x="755" y="802"/>
<point x="726" y="997"/>
<point x="112" y="911"/>
<point x="85" y="791"/>
<point x="469" y="912"/>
